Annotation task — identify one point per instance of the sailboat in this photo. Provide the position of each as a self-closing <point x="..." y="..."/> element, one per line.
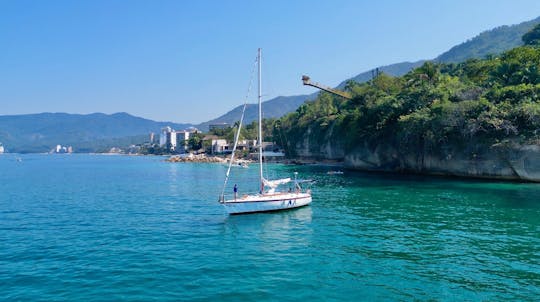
<point x="269" y="198"/>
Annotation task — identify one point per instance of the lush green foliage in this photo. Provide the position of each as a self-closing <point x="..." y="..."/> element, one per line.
<point x="533" y="36"/>
<point x="480" y="102"/>
<point x="248" y="131"/>
<point x="195" y="141"/>
<point x="491" y="42"/>
<point x="154" y="149"/>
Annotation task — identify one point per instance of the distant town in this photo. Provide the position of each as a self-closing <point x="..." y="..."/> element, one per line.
<point x="218" y="141"/>
<point x="59" y="149"/>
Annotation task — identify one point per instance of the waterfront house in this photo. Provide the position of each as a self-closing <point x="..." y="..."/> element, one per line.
<point x="219" y="146"/>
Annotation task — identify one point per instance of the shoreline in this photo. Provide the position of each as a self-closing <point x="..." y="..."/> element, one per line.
<point x="202" y="158"/>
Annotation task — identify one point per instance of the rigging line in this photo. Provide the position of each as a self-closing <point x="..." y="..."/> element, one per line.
<point x="261" y="140"/>
<point x="239" y="128"/>
<point x="265" y="160"/>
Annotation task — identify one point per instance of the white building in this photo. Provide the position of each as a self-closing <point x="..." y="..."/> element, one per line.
<point x="62" y="149"/>
<point x="176" y="140"/>
<point x="246" y="144"/>
<point x="182" y="139"/>
<point x="164" y="135"/>
<point x="219" y="146"/>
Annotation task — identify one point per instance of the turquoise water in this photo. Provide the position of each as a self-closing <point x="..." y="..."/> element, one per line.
<point x="98" y="228"/>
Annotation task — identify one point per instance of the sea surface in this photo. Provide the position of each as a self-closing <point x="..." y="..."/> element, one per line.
<point x="126" y="228"/>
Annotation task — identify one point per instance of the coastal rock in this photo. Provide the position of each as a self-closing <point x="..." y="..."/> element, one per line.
<point x="327" y="148"/>
<point x="512" y="163"/>
<point x="200" y="158"/>
<point x="526" y="163"/>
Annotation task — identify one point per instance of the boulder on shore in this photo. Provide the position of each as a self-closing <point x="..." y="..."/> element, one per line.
<point x="200" y="158"/>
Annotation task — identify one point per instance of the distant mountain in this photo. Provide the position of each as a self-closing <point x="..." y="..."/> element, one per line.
<point x="273" y="108"/>
<point x="86" y="133"/>
<point x="488" y="42"/>
<point x="395" y="70"/>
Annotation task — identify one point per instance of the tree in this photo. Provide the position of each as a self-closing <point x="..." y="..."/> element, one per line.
<point x="195" y="141"/>
<point x="436" y="107"/>
<point x="532" y="37"/>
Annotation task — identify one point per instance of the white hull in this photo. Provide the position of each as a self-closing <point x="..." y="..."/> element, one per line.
<point x="267" y="202"/>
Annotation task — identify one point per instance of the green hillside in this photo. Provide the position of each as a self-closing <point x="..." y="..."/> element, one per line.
<point x="494" y="41"/>
<point x="489" y="42"/>
<point x="475" y="104"/>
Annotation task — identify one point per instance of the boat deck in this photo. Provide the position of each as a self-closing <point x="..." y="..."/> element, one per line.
<point x="268" y="197"/>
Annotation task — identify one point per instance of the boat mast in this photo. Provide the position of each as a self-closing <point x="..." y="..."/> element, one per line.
<point x="260" y="124"/>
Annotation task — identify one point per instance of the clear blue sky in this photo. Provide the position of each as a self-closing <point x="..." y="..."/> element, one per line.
<point x="190" y="61"/>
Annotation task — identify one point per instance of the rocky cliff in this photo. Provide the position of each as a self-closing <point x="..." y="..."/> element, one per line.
<point x="516" y="163"/>
<point x="509" y="162"/>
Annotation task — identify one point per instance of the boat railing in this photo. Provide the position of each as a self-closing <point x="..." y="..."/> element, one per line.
<point x="244" y="195"/>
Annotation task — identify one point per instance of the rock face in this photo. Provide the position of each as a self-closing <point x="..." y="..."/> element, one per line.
<point x="517" y="162"/>
<point x="521" y="163"/>
<point x="526" y="163"/>
<point x="330" y="149"/>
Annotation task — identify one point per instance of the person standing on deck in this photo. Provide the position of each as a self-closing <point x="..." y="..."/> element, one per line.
<point x="235" y="191"/>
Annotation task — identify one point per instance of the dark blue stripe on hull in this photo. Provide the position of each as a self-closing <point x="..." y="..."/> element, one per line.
<point x="268" y="211"/>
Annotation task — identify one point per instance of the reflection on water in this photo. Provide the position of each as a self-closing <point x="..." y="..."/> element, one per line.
<point x="279" y="220"/>
<point x="173" y="180"/>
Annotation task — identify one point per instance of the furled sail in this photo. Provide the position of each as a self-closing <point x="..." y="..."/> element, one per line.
<point x="272" y="184"/>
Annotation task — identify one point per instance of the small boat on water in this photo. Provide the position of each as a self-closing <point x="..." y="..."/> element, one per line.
<point x="269" y="198"/>
<point x="242" y="165"/>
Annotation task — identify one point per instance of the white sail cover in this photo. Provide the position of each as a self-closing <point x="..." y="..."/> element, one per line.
<point x="275" y="183"/>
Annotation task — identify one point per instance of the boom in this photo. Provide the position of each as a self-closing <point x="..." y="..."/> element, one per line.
<point x="306" y="80"/>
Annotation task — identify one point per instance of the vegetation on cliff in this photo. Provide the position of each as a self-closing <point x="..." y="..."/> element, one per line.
<point x="480" y="103"/>
<point x="248" y="132"/>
